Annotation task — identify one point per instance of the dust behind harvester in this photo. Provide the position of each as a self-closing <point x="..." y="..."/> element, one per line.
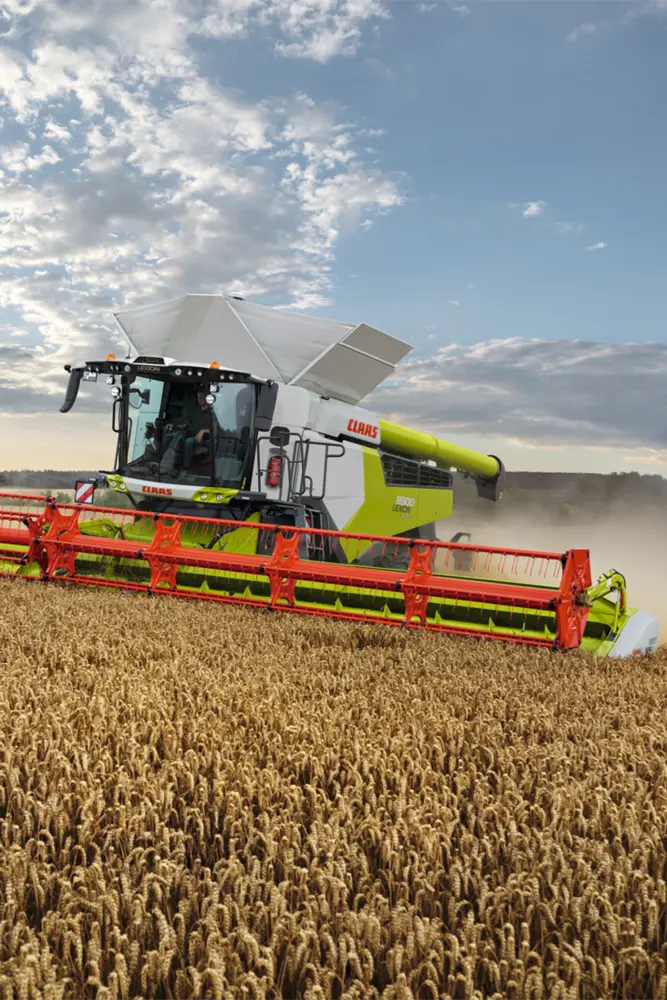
<point x="251" y="475"/>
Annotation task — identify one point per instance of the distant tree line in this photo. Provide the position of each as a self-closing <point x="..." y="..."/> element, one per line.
<point x="588" y="484"/>
<point x="37" y="479"/>
<point x="566" y="495"/>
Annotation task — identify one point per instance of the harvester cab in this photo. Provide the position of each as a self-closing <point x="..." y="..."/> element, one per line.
<point x="185" y="435"/>
<point x="253" y="475"/>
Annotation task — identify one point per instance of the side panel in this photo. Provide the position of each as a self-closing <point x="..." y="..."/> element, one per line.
<point x="300" y="411"/>
<point x="344" y="475"/>
<point x="291" y="411"/>
<point x="293" y="407"/>
<point x="391" y="510"/>
<point x="345" y="485"/>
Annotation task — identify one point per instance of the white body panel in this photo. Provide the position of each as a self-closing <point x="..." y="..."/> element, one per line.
<point x="639" y="636"/>
<point x="329" y="358"/>
<point x="319" y="422"/>
<point x="345" y="486"/>
<point x="293" y="407"/>
<point x="344" y="482"/>
<point x="334" y="418"/>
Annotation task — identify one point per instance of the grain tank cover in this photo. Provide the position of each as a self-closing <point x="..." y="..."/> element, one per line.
<point x="333" y="359"/>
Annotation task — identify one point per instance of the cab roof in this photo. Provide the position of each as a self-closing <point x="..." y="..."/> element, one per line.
<point x="339" y="360"/>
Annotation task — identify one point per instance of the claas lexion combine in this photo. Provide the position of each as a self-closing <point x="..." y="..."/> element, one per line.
<point x="252" y="476"/>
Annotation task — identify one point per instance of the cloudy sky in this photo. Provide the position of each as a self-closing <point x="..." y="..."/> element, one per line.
<point x="484" y="179"/>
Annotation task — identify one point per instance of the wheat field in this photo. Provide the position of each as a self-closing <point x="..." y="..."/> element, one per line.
<point x="199" y="801"/>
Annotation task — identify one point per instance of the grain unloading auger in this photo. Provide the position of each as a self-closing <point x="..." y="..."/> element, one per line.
<point x="251" y="475"/>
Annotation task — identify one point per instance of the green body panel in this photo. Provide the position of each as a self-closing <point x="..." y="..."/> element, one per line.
<point x="117" y="483"/>
<point x="605" y="620"/>
<point x="446" y="455"/>
<point x="192" y="534"/>
<point x="13" y="569"/>
<point x="241" y="539"/>
<point x="381" y="514"/>
<point x="213" y="494"/>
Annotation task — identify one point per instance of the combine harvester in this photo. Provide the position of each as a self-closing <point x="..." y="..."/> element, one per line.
<point x="251" y="475"/>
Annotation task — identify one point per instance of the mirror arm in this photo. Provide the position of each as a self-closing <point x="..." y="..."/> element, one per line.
<point x="72" y="391"/>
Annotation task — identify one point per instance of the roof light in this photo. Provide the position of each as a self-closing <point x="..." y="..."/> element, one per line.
<point x="111" y="357"/>
<point x="214" y="364"/>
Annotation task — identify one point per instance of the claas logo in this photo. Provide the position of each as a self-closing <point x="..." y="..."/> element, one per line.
<point x="161" y="491"/>
<point x="365" y="430"/>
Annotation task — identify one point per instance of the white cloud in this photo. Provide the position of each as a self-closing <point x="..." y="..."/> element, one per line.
<point x="322" y="29"/>
<point x="16" y="159"/>
<point x="11" y="8"/>
<point x="600" y="245"/>
<point x="462" y="9"/>
<point x="643" y="9"/>
<point x="563" y="228"/>
<point x="228" y="18"/>
<point x="454" y="302"/>
<point x="153" y="35"/>
<point x="537" y="392"/>
<point x="54" y="71"/>
<point x="58" y="132"/>
<point x="529" y="209"/>
<point x="311" y="29"/>
<point x="532" y="208"/>
<point x="582" y="31"/>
